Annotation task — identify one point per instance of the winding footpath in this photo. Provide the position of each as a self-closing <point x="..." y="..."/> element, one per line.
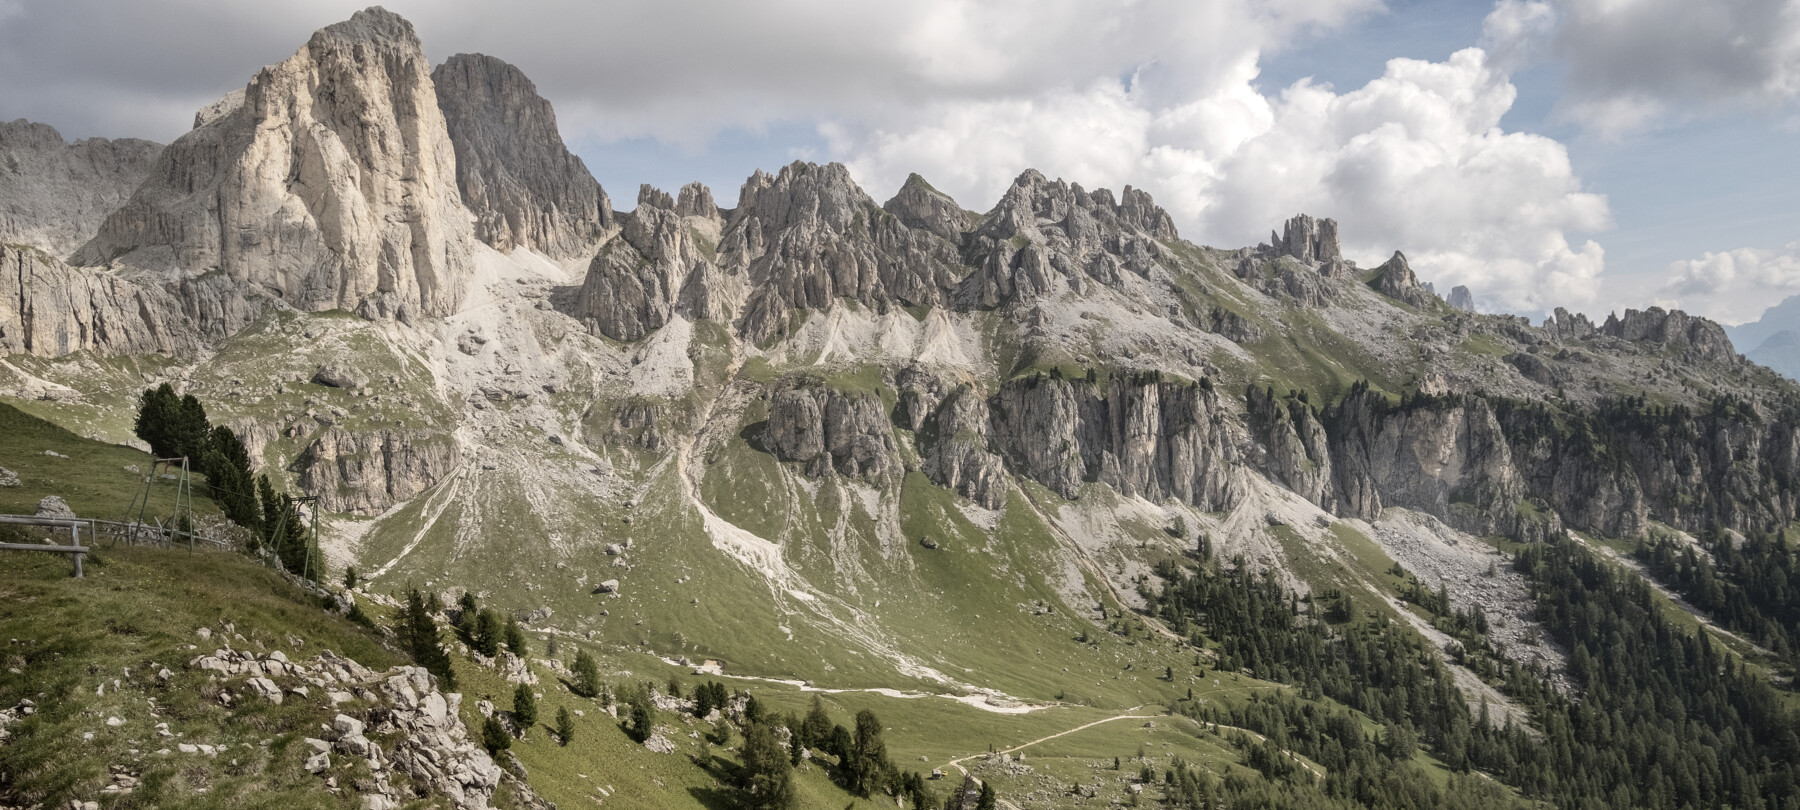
<point x="1217" y="727"/>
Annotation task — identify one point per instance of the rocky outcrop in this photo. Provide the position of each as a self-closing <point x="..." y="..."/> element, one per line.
<point x="1314" y="241"/>
<point x="696" y="200"/>
<point x="1563" y="325"/>
<point x="1295" y="450"/>
<point x="1695" y="340"/>
<point x="634" y="284"/>
<point x="920" y="206"/>
<point x="431" y="755"/>
<point x="367" y="472"/>
<point x="1444" y="455"/>
<point x="808" y="237"/>
<point x="332" y="185"/>
<point x="958" y="458"/>
<point x="1395" y="279"/>
<point x="1143" y="435"/>
<point x="524" y="186"/>
<point x="1046" y="237"/>
<point x="1461" y="299"/>
<point x="53" y="195"/>
<point x="49" y="309"/>
<point x="827" y="429"/>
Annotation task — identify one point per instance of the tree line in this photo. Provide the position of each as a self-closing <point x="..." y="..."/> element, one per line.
<point x="178" y="427"/>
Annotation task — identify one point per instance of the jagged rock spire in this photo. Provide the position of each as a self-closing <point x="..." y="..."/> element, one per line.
<point x="1395" y="279"/>
<point x="1307" y="239"/>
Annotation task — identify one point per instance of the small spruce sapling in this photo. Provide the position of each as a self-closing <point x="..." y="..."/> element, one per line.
<point x="565" y="725"/>
<point x="524" y="708"/>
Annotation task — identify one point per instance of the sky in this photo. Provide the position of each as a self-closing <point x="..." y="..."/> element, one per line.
<point x="1588" y="154"/>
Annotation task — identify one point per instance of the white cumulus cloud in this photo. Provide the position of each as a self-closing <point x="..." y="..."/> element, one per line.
<point x="1733" y="286"/>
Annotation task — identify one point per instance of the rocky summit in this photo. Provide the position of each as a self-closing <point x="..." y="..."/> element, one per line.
<point x="816" y="499"/>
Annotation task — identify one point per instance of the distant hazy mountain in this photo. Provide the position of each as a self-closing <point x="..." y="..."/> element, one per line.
<point x="1779" y="318"/>
<point x="1780" y="352"/>
<point x="1773" y="339"/>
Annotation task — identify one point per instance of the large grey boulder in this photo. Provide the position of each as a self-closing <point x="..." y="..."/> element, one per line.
<point x="53" y="506"/>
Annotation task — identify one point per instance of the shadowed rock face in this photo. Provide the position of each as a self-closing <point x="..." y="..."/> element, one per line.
<point x="332" y="185"/>
<point x="368" y="472"/>
<point x="53" y="195"/>
<point x="827" y="429"/>
<point x="523" y="185"/>
<point x="49" y="309"/>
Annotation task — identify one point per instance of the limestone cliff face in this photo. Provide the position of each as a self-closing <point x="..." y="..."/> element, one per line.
<point x="523" y="185"/>
<point x="1694" y="339"/>
<point x="367" y="472"/>
<point x="1491" y="467"/>
<point x="49" y="309"/>
<point x="53" y="195"/>
<point x="828" y="430"/>
<point x="958" y="457"/>
<point x="1043" y="237"/>
<point x="1293" y="446"/>
<point x="1140" y="434"/>
<point x="1446" y="456"/>
<point x="332" y="185"/>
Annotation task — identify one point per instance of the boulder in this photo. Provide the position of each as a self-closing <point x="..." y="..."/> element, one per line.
<point x="53" y="506"/>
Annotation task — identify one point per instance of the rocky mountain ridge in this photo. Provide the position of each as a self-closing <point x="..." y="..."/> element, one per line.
<point x="780" y="403"/>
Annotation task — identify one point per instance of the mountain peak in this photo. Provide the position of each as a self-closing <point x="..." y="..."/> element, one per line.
<point x="515" y="174"/>
<point x="333" y="186"/>
<point x="372" y="24"/>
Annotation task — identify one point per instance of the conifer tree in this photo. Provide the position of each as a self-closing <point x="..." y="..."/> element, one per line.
<point x="767" y="778"/>
<point x="642" y="719"/>
<point x="487" y="633"/>
<point x="524" y="707"/>
<point x="515" y="637"/>
<point x="494" y="735"/>
<point x="158" y="412"/>
<point x="587" y="675"/>
<point x="565" y="725"/>
<point x="192" y="431"/>
<point x="815" y="730"/>
<point x="868" y="759"/>
<point x="418" y="635"/>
